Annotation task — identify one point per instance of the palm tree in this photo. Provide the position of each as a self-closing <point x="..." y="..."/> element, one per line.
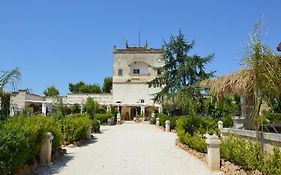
<point x="7" y="78"/>
<point x="265" y="69"/>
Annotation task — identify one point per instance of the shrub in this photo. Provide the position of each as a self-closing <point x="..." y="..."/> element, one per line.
<point x="21" y="138"/>
<point x="95" y="126"/>
<point x="75" y="127"/>
<point x="191" y="128"/>
<point x="103" y="117"/>
<point x="164" y="117"/>
<point x="248" y="155"/>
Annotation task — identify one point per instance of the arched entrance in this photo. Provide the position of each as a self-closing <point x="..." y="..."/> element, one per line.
<point x="133" y="113"/>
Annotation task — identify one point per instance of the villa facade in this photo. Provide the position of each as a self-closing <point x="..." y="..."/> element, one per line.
<point x="133" y="68"/>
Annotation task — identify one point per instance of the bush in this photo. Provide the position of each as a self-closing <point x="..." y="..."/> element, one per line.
<point x="164" y="117"/>
<point x="21" y="139"/>
<point x="248" y="155"/>
<point x="273" y="117"/>
<point x="75" y="127"/>
<point x="103" y="117"/>
<point x="191" y="128"/>
<point x="95" y="126"/>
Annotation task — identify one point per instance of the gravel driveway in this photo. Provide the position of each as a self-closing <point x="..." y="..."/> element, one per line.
<point x="128" y="149"/>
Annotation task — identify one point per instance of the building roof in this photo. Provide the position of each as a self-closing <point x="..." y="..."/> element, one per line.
<point x="137" y="49"/>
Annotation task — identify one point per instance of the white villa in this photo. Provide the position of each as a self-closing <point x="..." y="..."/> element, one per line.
<point x="133" y="67"/>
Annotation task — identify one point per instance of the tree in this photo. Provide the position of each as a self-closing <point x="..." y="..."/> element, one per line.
<point x="51" y="91"/>
<point x="181" y="72"/>
<point x="107" y="85"/>
<point x="81" y="87"/>
<point x="265" y="69"/>
<point x="91" y="107"/>
<point x="7" y="78"/>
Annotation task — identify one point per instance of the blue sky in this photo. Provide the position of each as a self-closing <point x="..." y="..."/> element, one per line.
<point x="57" y="42"/>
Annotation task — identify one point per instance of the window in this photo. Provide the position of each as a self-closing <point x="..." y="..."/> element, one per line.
<point x="136" y="71"/>
<point x="120" y="72"/>
<point x="142" y="100"/>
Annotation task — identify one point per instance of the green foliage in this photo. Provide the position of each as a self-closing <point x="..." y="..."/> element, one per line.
<point x="95" y="126"/>
<point x="75" y="109"/>
<point x="274" y="104"/>
<point x="273" y="117"/>
<point x="5" y="105"/>
<point x="81" y="87"/>
<point x="51" y="91"/>
<point x="75" y="127"/>
<point x="164" y="117"/>
<point x="196" y="142"/>
<point x="7" y="77"/>
<point x="247" y="154"/>
<point x="21" y="138"/>
<point x="180" y="71"/>
<point x="91" y="107"/>
<point x="190" y="130"/>
<point x="102" y="117"/>
<point x="107" y="85"/>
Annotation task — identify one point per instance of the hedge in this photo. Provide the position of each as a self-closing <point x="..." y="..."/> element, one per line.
<point x="190" y="130"/>
<point x="21" y="139"/>
<point x="164" y="117"/>
<point x="248" y="155"/>
<point x="102" y="117"/>
<point x="75" y="127"/>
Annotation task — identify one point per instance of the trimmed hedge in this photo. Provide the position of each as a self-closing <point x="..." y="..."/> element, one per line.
<point x="164" y="117"/>
<point x="190" y="130"/>
<point x="21" y="138"/>
<point x="75" y="127"/>
<point x="102" y="117"/>
<point x="248" y="155"/>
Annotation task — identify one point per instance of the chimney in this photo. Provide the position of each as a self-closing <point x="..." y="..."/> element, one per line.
<point x="279" y="47"/>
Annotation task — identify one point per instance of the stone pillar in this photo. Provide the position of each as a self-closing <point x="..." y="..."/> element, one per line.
<point x="89" y="132"/>
<point x="81" y="108"/>
<point x="143" y="112"/>
<point x="167" y="126"/>
<point x="118" y="118"/>
<point x="108" y="108"/>
<point x="157" y="121"/>
<point x="220" y="125"/>
<point x="46" y="150"/>
<point x="213" y="153"/>
<point x="12" y="110"/>
<point x="160" y="109"/>
<point x="44" y="108"/>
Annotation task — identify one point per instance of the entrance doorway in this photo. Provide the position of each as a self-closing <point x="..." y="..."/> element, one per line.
<point x="133" y="113"/>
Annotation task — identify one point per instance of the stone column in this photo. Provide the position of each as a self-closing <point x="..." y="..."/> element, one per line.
<point x="44" y="108"/>
<point x="160" y="109"/>
<point x="167" y="126"/>
<point x="143" y="112"/>
<point x="108" y="108"/>
<point x="157" y="121"/>
<point x="81" y="108"/>
<point x="118" y="118"/>
<point x="89" y="132"/>
<point x="46" y="150"/>
<point x="220" y="125"/>
<point x="12" y="110"/>
<point x="213" y="153"/>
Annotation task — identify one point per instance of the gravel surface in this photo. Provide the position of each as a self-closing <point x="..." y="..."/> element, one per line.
<point x="128" y="149"/>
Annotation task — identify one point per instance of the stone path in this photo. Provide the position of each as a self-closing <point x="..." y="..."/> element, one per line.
<point x="128" y="149"/>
